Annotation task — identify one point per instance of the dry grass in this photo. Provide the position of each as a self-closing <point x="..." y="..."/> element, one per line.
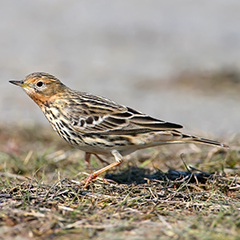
<point x="40" y="197"/>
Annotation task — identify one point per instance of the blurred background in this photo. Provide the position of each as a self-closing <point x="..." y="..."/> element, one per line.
<point x="175" y="60"/>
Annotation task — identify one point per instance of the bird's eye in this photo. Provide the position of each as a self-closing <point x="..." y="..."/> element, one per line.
<point x="39" y="84"/>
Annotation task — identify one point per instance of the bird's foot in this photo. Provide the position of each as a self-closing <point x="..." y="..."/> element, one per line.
<point x="87" y="180"/>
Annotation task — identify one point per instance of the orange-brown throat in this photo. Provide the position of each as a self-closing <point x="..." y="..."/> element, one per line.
<point x="40" y="99"/>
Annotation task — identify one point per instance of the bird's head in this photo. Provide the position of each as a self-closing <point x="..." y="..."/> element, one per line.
<point x="41" y="87"/>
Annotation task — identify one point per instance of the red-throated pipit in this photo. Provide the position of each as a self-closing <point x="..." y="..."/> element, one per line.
<point x="98" y="125"/>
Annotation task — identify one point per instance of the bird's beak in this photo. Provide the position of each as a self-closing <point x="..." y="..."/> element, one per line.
<point x="19" y="83"/>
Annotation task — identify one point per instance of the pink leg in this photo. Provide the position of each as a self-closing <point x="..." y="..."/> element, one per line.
<point x="87" y="159"/>
<point x="100" y="159"/>
<point x="118" y="161"/>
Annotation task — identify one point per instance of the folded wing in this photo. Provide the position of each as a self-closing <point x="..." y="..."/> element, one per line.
<point x="92" y="114"/>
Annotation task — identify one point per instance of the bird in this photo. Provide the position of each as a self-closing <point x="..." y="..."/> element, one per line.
<point x="99" y="126"/>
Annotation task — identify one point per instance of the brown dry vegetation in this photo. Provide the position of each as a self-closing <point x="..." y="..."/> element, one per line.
<point x="40" y="197"/>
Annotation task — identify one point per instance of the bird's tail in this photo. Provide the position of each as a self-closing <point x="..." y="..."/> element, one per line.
<point x="194" y="139"/>
<point x="174" y="136"/>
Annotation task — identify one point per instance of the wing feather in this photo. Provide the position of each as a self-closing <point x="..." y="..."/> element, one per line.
<point x="94" y="114"/>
